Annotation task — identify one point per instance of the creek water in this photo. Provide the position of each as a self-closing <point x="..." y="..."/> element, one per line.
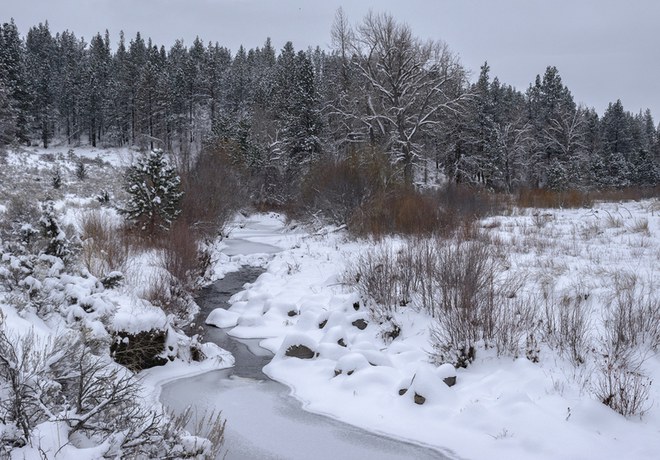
<point x="263" y="420"/>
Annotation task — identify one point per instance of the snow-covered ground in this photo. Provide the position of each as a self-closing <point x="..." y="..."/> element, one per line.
<point x="501" y="407"/>
<point x="45" y="304"/>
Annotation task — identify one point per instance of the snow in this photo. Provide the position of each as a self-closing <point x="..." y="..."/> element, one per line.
<point x="500" y="407"/>
<point x="222" y="318"/>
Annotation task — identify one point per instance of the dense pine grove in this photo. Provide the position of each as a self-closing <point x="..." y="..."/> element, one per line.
<point x="380" y="89"/>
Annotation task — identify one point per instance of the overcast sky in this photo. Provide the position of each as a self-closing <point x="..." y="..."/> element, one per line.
<point x="604" y="49"/>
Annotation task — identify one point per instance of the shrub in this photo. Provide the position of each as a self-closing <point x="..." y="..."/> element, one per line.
<point x="567" y="325"/>
<point x="139" y="351"/>
<point x="105" y="248"/>
<point x="459" y="284"/>
<point x="548" y="198"/>
<point x="620" y="382"/>
<point x="632" y="317"/>
<point x="57" y="243"/>
<point x="376" y="276"/>
<point x="81" y="170"/>
<point x="213" y="192"/>
<point x="464" y="305"/>
<point x="338" y="187"/>
<point x="400" y="210"/>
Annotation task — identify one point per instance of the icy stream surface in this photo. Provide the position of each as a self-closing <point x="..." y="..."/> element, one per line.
<point x="263" y="420"/>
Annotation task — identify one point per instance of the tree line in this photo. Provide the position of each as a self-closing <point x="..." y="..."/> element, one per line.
<point x="379" y="89"/>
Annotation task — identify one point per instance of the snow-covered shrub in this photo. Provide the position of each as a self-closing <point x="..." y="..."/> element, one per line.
<point x="63" y="381"/>
<point x="25" y="389"/>
<point x="19" y="222"/>
<point x="81" y="170"/>
<point x="56" y="177"/>
<point x="57" y="243"/>
<point x="139" y="350"/>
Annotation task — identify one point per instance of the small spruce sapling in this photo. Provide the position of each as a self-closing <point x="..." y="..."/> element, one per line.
<point x="81" y="170"/>
<point x="155" y="193"/>
<point x="56" y="241"/>
<point x="56" y="178"/>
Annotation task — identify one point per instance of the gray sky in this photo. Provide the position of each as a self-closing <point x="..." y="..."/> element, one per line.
<point x="604" y="49"/>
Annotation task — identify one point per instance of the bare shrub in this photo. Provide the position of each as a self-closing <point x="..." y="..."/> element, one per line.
<point x="627" y="194"/>
<point x="620" y="382"/>
<point x="212" y="193"/>
<point x="567" y="325"/>
<point x="459" y="283"/>
<point x="515" y="326"/>
<point x="397" y="210"/>
<point x="375" y="274"/>
<point x="181" y="255"/>
<point x="338" y="187"/>
<point x="633" y="313"/>
<point x="464" y="306"/>
<point x="167" y="293"/>
<point x="105" y="248"/>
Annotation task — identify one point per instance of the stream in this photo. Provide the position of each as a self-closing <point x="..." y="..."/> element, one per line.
<point x="263" y="420"/>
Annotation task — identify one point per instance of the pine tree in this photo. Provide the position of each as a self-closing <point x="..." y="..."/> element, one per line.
<point x="613" y="166"/>
<point x="72" y="57"/>
<point x="97" y="86"/>
<point x="7" y="117"/>
<point x="155" y="193"/>
<point x="40" y="60"/>
<point x="13" y="76"/>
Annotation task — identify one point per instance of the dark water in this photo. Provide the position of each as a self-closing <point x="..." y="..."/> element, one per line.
<point x="263" y="420"/>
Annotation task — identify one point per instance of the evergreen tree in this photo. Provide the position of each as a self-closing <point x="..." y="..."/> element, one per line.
<point x="13" y="79"/>
<point x="97" y="86"/>
<point x="613" y="167"/>
<point x="302" y="123"/>
<point x="40" y="62"/>
<point x="71" y="78"/>
<point x="155" y="193"/>
<point x="56" y="241"/>
<point x="7" y="117"/>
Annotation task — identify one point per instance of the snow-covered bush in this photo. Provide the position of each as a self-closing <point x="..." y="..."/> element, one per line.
<point x="62" y="380"/>
<point x="57" y="243"/>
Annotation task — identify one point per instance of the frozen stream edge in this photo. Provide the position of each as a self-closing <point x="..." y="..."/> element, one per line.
<point x="263" y="419"/>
